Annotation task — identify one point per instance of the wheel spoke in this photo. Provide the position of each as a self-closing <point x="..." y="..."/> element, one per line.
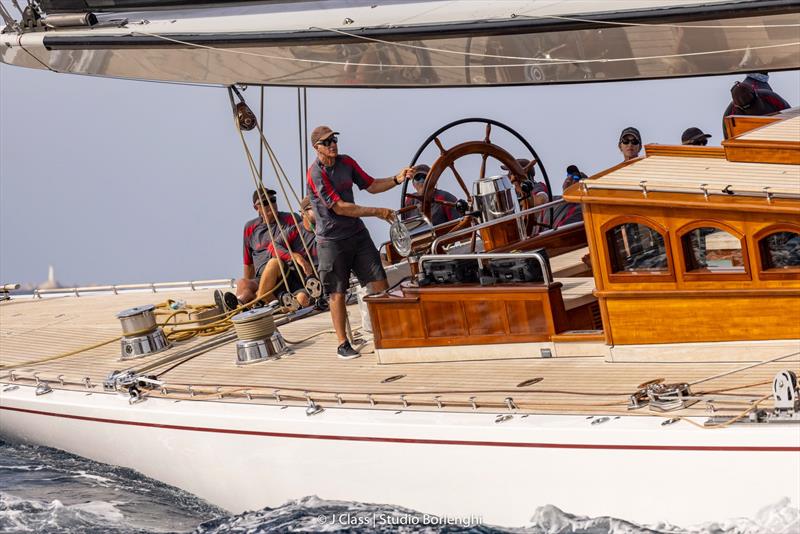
<point x="439" y="144"/>
<point x="483" y="166"/>
<point x="488" y="132"/>
<point x="461" y="181"/>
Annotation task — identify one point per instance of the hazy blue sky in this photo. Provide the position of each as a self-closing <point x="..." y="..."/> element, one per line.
<point x="114" y="181"/>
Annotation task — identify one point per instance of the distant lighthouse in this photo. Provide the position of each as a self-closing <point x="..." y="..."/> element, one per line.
<point x="51" y="282"/>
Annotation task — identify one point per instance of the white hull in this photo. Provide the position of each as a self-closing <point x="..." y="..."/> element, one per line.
<point x="457" y="465"/>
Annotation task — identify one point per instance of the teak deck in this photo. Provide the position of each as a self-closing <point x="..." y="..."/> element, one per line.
<point x="32" y="329"/>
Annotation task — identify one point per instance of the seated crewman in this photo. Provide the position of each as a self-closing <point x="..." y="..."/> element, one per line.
<point x="440" y="213"/>
<point x="267" y="258"/>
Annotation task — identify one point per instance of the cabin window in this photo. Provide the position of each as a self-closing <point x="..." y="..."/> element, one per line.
<point x="636" y="248"/>
<point x="712" y="250"/>
<point x="780" y="250"/>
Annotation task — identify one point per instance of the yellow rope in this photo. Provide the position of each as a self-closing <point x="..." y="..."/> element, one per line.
<point x="59" y="356"/>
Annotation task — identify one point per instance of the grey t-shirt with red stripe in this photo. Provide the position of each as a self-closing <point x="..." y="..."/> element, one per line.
<point x="328" y="185"/>
<point x="259" y="247"/>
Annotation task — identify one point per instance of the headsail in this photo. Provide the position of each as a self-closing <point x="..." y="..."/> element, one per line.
<point x="406" y="44"/>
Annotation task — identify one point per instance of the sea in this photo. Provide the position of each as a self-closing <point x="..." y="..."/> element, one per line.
<point x="50" y="491"/>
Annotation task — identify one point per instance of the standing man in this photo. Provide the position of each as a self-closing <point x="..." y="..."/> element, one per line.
<point x="343" y="242"/>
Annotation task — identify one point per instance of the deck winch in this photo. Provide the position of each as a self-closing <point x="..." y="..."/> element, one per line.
<point x="140" y="333"/>
<point x="259" y="339"/>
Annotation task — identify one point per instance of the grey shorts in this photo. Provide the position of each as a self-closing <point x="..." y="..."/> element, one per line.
<point x="338" y="258"/>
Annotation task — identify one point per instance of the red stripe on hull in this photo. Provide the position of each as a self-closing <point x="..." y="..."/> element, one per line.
<point x="416" y="441"/>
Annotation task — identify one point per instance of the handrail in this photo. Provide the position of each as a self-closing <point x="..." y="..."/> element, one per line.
<point x="487" y="224"/>
<point x="153" y="286"/>
<point x="548" y="276"/>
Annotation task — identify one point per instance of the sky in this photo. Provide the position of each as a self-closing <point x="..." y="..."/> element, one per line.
<point x="114" y="181"/>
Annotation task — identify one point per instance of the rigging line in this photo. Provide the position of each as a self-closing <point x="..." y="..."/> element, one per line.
<point x="261" y="148"/>
<point x="499" y="56"/>
<point x="274" y="160"/>
<point x="305" y="136"/>
<point x="656" y="25"/>
<point x="276" y="166"/>
<point x="300" y="142"/>
<point x="269" y="201"/>
<point x="757" y="364"/>
<point x="418" y="66"/>
<point x="259" y="185"/>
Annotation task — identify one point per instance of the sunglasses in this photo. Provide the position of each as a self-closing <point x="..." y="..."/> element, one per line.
<point x="700" y="142"/>
<point x="634" y="142"/>
<point x="332" y="140"/>
<point x="419" y="178"/>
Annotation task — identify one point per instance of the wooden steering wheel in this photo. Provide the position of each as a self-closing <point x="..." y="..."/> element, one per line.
<point x="448" y="157"/>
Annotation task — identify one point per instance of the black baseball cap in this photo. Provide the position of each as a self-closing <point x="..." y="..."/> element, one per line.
<point x="630" y="130"/>
<point x="692" y="134"/>
<point x="260" y="193"/>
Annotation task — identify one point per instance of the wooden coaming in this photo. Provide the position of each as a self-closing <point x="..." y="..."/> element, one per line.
<point x="461" y="314"/>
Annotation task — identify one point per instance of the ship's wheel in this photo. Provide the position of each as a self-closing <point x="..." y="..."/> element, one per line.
<point x="448" y="158"/>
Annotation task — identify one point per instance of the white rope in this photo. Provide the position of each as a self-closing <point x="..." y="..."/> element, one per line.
<point x="419" y="66"/>
<point x="655" y="24"/>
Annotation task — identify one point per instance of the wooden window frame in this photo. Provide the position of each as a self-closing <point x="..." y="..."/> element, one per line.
<point x="699" y="276"/>
<point x="633" y="277"/>
<point x="791" y="273"/>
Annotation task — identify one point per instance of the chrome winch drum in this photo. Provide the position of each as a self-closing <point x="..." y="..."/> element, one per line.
<point x="259" y="339"/>
<point x="494" y="197"/>
<point x="141" y="335"/>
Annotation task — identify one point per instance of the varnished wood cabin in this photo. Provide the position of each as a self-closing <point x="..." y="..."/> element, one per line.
<point x="694" y="253"/>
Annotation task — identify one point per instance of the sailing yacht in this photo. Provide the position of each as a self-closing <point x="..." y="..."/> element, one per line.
<point x="514" y="362"/>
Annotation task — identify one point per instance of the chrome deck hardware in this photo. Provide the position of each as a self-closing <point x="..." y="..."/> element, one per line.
<point x="259" y="339"/>
<point x="140" y="334"/>
<point x="473" y="403"/>
<point x="502" y="418"/>
<point x="786" y="395"/>
<point x="510" y="403"/>
<point x="438" y="399"/>
<point x="662" y="397"/>
<point x="313" y="408"/>
<point x="786" y="407"/>
<point x="10" y="388"/>
<point x="43" y="388"/>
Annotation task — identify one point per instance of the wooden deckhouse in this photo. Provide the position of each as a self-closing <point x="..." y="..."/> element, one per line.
<point x="688" y="245"/>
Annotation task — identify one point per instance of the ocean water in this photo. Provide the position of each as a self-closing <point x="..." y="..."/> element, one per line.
<point x="45" y="490"/>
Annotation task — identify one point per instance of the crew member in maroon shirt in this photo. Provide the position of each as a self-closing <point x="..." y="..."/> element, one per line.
<point x="343" y="242"/>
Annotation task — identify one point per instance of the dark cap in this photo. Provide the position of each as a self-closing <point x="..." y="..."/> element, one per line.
<point x="630" y="130"/>
<point x="305" y="204"/>
<point x="572" y="169"/>
<point x="258" y="193"/>
<point x="522" y="163"/>
<point x="320" y="133"/>
<point x="692" y="134"/>
<point x="421" y="169"/>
